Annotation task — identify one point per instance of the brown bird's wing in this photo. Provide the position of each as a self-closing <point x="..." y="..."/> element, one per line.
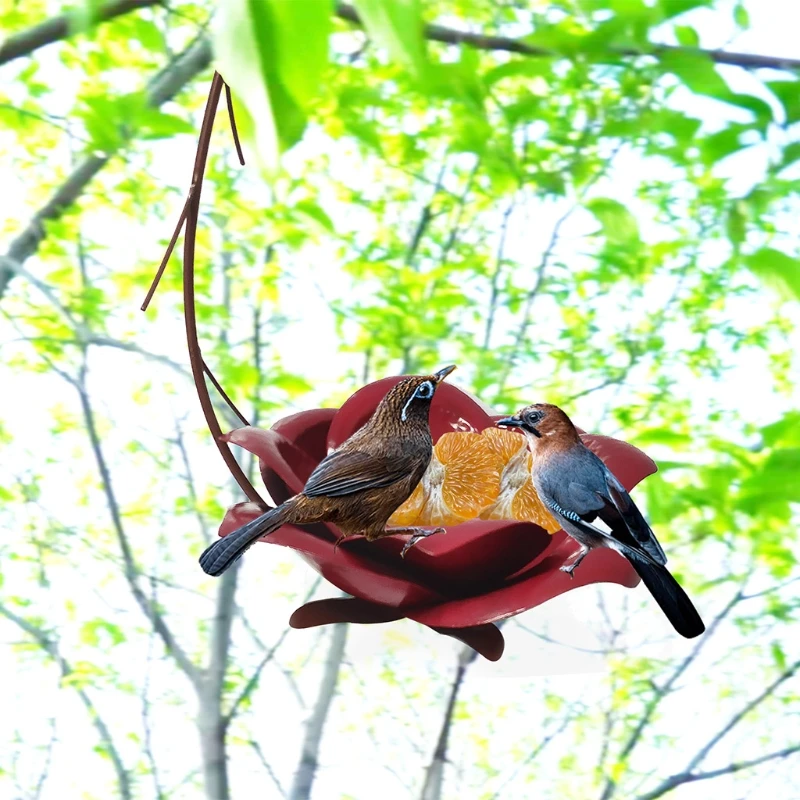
<point x="346" y="472"/>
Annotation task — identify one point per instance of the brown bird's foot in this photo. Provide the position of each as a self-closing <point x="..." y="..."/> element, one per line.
<point x="416" y="535"/>
<point x="570" y="568"/>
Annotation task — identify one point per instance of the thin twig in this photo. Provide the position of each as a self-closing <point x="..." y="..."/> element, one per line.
<point x="264" y="763"/>
<point x="234" y="131"/>
<point x="498" y="267"/>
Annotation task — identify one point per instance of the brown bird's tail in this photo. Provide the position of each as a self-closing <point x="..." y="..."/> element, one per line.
<point x="668" y="593"/>
<point x="216" y="558"/>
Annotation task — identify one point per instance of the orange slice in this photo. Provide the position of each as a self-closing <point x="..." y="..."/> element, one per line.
<point x="462" y="478"/>
<point x="476" y="475"/>
<point x="517" y="498"/>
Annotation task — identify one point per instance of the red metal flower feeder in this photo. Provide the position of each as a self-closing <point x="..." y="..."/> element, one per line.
<point x="459" y="583"/>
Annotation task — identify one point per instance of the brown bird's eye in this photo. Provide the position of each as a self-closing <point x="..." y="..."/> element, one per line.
<point x="424" y="391"/>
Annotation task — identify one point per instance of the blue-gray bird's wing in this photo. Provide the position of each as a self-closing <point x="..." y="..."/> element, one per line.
<point x="618" y="507"/>
<point x="346" y="472"/>
<point x="580" y="488"/>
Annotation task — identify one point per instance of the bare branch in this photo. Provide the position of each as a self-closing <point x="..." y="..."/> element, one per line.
<point x="434" y="774"/>
<point x="784" y="676"/>
<point x="264" y="763"/>
<point x="424" y="220"/>
<point x="498" y="268"/>
<point x="439" y="33"/>
<point x="50" y="646"/>
<point x="57" y="28"/>
<point x="737" y="766"/>
<point x="660" y="692"/>
<point x="221" y="634"/>
<point x="535" y="753"/>
<point x="252" y="683"/>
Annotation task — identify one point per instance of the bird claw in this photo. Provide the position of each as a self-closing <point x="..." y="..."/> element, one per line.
<point x="569" y="570"/>
<point x="417" y="537"/>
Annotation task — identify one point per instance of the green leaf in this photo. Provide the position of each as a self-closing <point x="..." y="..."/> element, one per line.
<point x="791" y="153"/>
<point x="776" y="269"/>
<point x="672" y="8"/>
<point x="779" y="655"/>
<point x="788" y="92"/>
<point x="619" y="225"/>
<point x="737" y="223"/>
<point x="311" y="210"/>
<point x="256" y="45"/>
<point x="90" y="632"/>
<point x="398" y="27"/>
<point x="687" y="36"/>
<point x="784" y="431"/>
<point x="696" y="71"/>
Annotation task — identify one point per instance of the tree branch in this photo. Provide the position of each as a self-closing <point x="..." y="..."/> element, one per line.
<point x="737" y="766"/>
<point x="662" y="691"/>
<point x="264" y="763"/>
<point x="534" y="754"/>
<point x="57" y="28"/>
<point x="163" y="87"/>
<point x="51" y="648"/>
<point x="434" y="775"/>
<point x="439" y="33"/>
<point x="737" y="718"/>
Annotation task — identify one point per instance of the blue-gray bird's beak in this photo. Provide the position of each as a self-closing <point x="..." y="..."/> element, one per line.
<point x="516" y="422"/>
<point x="443" y="373"/>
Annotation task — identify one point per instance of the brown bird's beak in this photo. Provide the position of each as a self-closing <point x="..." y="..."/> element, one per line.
<point x="443" y="373"/>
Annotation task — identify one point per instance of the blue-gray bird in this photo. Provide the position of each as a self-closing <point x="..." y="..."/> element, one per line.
<point x="578" y="488"/>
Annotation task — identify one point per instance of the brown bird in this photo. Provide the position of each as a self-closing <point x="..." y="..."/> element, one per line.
<point x="359" y="485"/>
<point x="578" y="488"/>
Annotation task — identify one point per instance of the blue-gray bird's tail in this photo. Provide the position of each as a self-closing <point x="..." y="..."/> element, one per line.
<point x="667" y="592"/>
<point x="216" y="558"/>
